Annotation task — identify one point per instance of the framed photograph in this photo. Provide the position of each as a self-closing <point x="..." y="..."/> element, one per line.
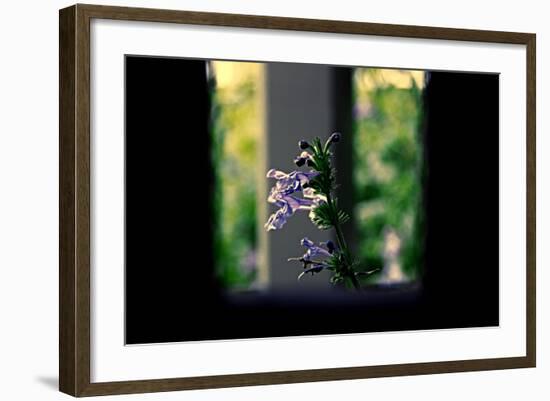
<point x="250" y="200"/>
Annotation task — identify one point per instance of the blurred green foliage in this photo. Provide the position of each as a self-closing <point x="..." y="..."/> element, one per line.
<point x="388" y="165"/>
<point x="234" y="130"/>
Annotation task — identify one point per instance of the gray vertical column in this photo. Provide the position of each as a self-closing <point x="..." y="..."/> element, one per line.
<point x="342" y="106"/>
<point x="300" y="103"/>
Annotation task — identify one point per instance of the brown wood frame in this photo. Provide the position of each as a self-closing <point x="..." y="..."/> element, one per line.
<point x="74" y="204"/>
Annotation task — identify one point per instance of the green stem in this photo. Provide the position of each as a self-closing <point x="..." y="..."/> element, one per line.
<point x="322" y="160"/>
<point x="342" y="244"/>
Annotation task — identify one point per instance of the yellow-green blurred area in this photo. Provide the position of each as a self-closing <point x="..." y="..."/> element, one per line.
<point x="387" y="165"/>
<point x="237" y="128"/>
<point x="386" y="171"/>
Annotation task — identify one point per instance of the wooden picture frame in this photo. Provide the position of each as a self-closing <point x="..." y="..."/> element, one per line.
<point x="74" y="206"/>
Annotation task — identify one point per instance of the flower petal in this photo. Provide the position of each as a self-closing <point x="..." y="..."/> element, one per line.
<point x="309" y="193"/>
<point x="276" y="221"/>
<point x="313" y="250"/>
<point x="277" y="174"/>
<point x="303" y="176"/>
<point x="315" y="268"/>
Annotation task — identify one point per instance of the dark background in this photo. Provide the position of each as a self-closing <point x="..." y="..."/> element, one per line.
<point x="171" y="293"/>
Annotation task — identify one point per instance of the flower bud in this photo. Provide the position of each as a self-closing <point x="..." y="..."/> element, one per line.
<point x="303" y="145"/>
<point x="335" y="137"/>
<point x="299" y="161"/>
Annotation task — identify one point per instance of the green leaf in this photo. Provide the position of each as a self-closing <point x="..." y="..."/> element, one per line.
<point x="368" y="272"/>
<point x="342" y="217"/>
<point x="321" y="216"/>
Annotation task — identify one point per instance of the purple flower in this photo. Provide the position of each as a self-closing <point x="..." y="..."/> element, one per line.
<point x="281" y="195"/>
<point x="284" y="179"/>
<point x="313" y="251"/>
<point x="314" y="260"/>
